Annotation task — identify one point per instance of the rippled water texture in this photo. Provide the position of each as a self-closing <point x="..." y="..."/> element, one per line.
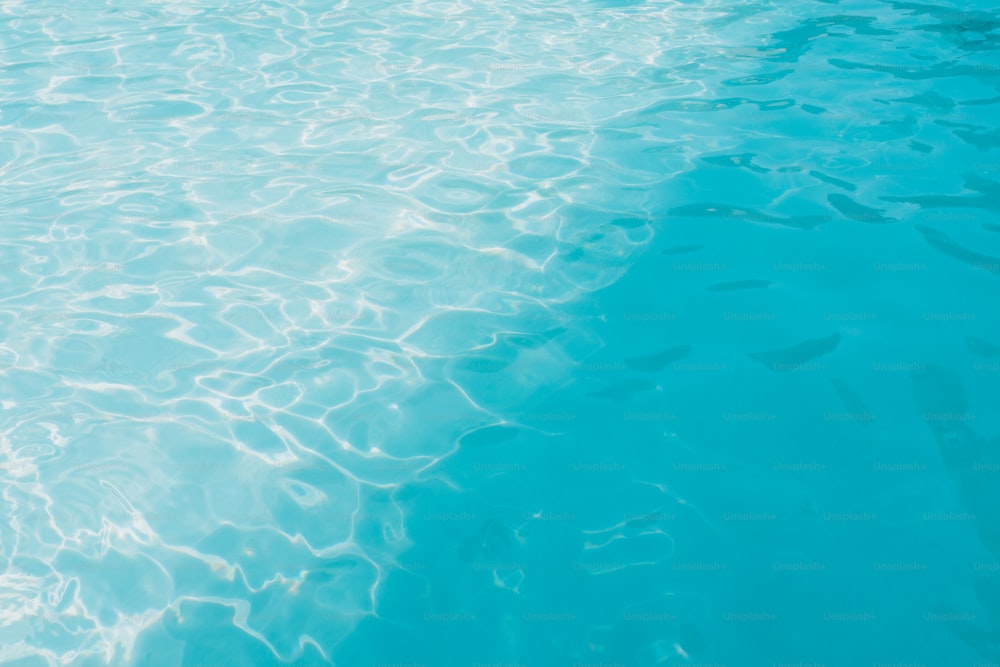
<point x="538" y="333"/>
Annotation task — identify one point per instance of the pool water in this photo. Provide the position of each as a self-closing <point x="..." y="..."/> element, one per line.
<point x="590" y="333"/>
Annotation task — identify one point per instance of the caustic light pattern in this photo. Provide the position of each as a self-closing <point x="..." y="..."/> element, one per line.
<point x="544" y="333"/>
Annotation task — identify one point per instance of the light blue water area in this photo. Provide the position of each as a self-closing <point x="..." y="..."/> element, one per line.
<point x="538" y="333"/>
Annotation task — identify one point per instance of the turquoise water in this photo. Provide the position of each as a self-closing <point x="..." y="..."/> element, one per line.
<point x="592" y="333"/>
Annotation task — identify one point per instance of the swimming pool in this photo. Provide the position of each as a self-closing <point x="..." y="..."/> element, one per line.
<point x="479" y="333"/>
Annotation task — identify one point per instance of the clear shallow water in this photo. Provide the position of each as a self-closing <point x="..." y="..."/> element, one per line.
<point x="538" y="334"/>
